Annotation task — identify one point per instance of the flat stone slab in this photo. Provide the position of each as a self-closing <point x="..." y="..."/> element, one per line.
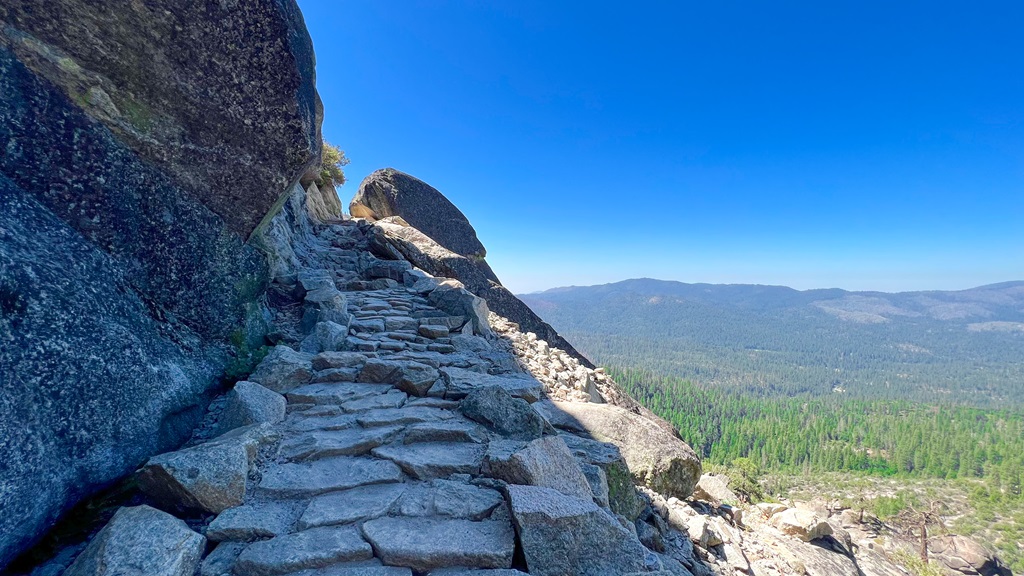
<point x="252" y="522"/>
<point x="427" y="461"/>
<point x="425" y="544"/>
<point x="449" y="498"/>
<point x="361" y="503"/>
<point x="390" y="399"/>
<point x="460" y="382"/>
<point x="334" y="392"/>
<point x="314" y="548"/>
<point x="446" y="431"/>
<point x="393" y="416"/>
<point x="470" y="572"/>
<point x="369" y="568"/>
<point x="327" y="443"/>
<point x="303" y="423"/>
<point x="327" y="475"/>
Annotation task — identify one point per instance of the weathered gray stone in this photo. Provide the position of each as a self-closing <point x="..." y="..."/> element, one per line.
<point x="302" y="423"/>
<point x="393" y="269"/>
<point x="334" y="393"/>
<point x="352" y="505"/>
<point x="446" y="431"/>
<point x="389" y="192"/>
<point x="209" y="477"/>
<point x="326" y="336"/>
<point x="543" y="462"/>
<point x="963" y="555"/>
<point x="368" y="568"/>
<point x="561" y="535"/>
<point x="390" y="399"/>
<point x="425" y="544"/>
<point x="252" y="522"/>
<point x="461" y="382"/>
<point x="396" y="323"/>
<point x="449" y="498"/>
<point x="222" y="559"/>
<point x="454" y="299"/>
<point x="495" y="408"/>
<point x="327" y="475"/>
<point x="249" y="403"/>
<point x="283" y="369"/>
<point x="313" y="548"/>
<point x="327" y="443"/>
<point x="407" y="415"/>
<point x="655" y="458"/>
<point x="714" y="490"/>
<point x="336" y="375"/>
<point x="801" y="523"/>
<point x="433" y="331"/>
<point x="326" y="304"/>
<point x="141" y="540"/>
<point x="435" y="459"/>
<point x="126" y="269"/>
<point x="327" y="360"/>
<point x="598" y="481"/>
<point x="471" y="572"/>
<point x="411" y="377"/>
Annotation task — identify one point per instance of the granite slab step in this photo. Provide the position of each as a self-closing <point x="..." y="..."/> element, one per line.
<point x="314" y="548"/>
<point x="303" y="479"/>
<point x="426" y="461"/>
<point x="334" y="393"/>
<point x="363" y="503"/>
<point x="426" y="544"/>
<point x="327" y="443"/>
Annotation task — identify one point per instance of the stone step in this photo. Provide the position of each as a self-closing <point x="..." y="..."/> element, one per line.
<point x="427" y="461"/>
<point x="327" y="443"/>
<point x="449" y="498"/>
<point x="334" y="393"/>
<point x="253" y="522"/>
<point x="405" y="415"/>
<point x="313" y="548"/>
<point x="363" y="503"/>
<point x="326" y="475"/>
<point x="426" y="543"/>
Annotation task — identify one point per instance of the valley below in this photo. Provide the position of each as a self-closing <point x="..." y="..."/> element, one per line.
<point x="907" y="406"/>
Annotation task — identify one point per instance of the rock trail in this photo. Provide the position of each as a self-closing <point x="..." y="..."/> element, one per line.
<point x="387" y="432"/>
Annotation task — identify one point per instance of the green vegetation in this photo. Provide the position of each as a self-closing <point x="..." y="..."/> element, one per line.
<point x="973" y="452"/>
<point x="332" y="161"/>
<point x="833" y="433"/>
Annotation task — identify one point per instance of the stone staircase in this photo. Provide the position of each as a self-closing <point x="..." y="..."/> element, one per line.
<point x="388" y="432"/>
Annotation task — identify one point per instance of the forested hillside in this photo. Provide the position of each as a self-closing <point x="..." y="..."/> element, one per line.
<point x="963" y="347"/>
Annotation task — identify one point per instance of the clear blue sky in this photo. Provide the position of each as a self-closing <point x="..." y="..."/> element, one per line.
<point x="860" y="145"/>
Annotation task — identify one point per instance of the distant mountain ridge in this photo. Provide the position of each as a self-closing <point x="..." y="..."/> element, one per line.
<point x="964" y="345"/>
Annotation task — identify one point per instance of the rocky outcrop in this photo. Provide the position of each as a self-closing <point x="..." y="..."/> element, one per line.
<point x="965" y="556"/>
<point x="431" y="233"/>
<point x="142" y="146"/>
<point x="389" y="192"/>
<point x="656" y="459"/>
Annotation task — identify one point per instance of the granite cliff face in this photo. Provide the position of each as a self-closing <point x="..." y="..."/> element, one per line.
<point x="142" y="144"/>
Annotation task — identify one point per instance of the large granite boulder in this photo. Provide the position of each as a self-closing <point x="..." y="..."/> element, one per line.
<point x="389" y="192"/>
<point x="656" y="458"/>
<point x="143" y="145"/>
<point x="562" y="535"/>
<point x="141" y="540"/>
<point x="965" y="556"/>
